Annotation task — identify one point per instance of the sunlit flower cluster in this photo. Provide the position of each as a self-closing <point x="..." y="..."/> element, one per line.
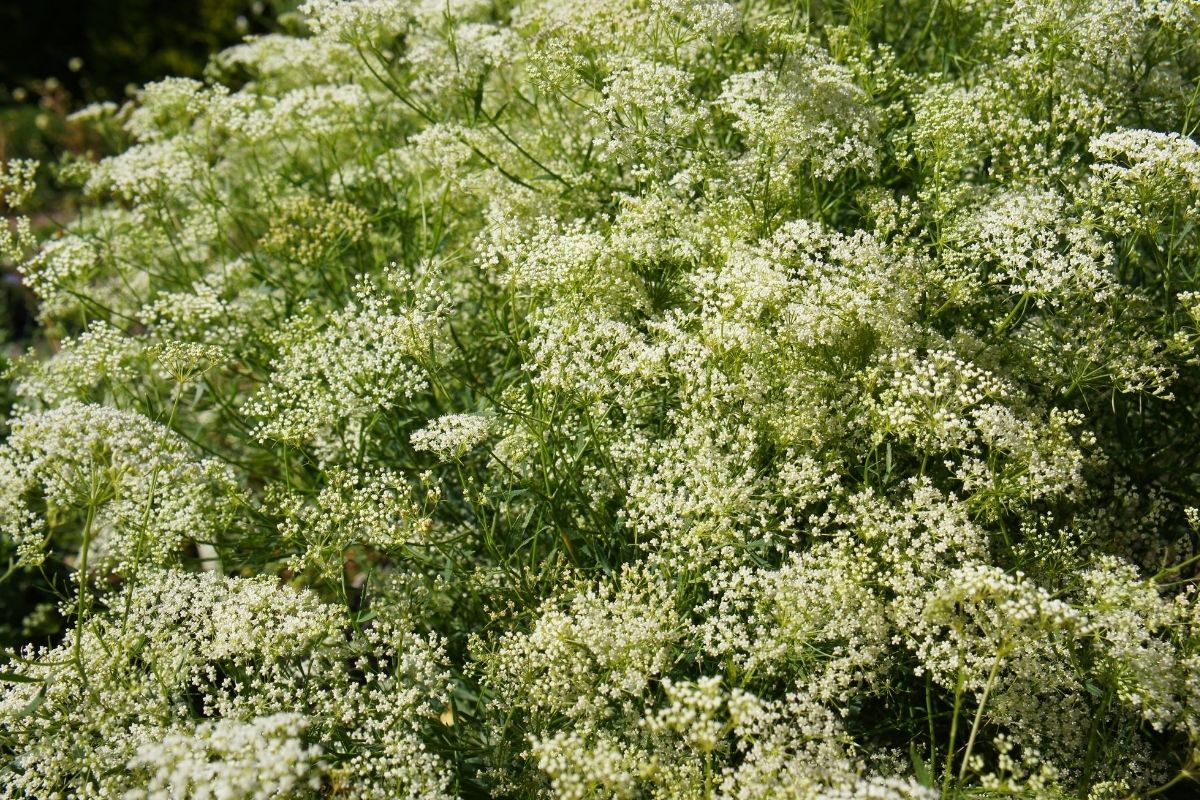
<point x="619" y="399"/>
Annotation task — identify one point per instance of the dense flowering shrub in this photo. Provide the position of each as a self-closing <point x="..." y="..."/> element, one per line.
<point x="624" y="398"/>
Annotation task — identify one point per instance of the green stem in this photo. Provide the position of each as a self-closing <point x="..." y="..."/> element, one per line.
<point x="84" y="545"/>
<point x="1013" y="315"/>
<point x="949" y="769"/>
<point x="929" y="716"/>
<point x="987" y="689"/>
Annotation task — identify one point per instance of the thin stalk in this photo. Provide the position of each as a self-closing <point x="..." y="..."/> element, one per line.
<point x="85" y="544"/>
<point x="987" y="689"/>
<point x="949" y="768"/>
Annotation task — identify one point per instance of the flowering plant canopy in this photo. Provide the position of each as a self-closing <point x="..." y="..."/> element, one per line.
<point x="621" y="399"/>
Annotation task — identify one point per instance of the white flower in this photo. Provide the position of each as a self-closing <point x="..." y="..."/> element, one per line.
<point x="453" y="435"/>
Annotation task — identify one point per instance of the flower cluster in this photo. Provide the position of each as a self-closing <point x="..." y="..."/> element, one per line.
<point x="197" y="685"/>
<point x="619" y="398"/>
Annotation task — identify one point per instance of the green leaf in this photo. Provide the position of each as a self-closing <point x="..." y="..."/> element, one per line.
<point x="920" y="768"/>
<point x="33" y="705"/>
<point x="16" y="677"/>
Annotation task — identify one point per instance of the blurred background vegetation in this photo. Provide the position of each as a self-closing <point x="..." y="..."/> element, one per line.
<point x="57" y="56"/>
